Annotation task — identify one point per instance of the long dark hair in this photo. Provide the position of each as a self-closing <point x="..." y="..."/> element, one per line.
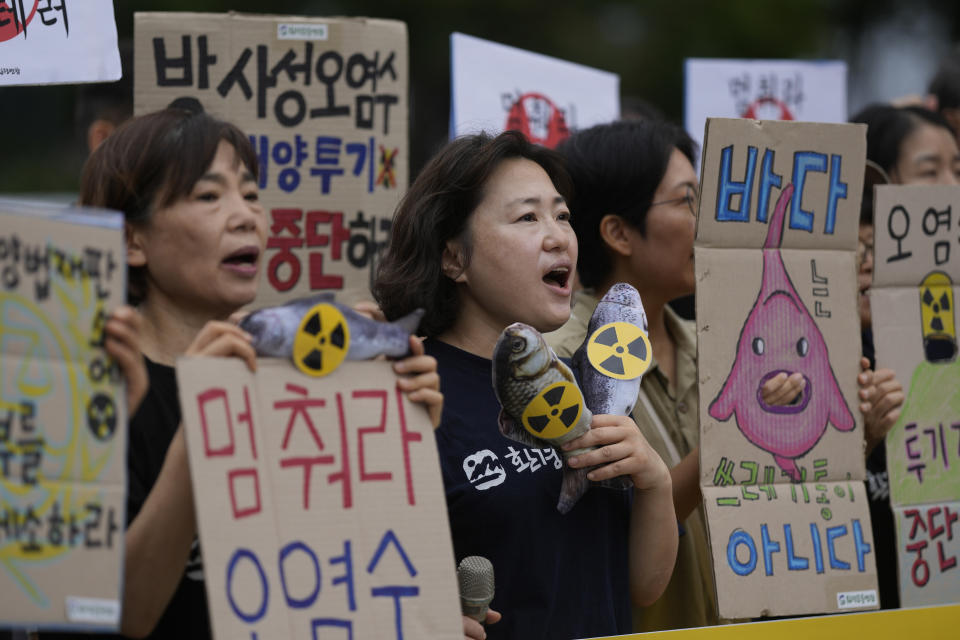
<point x="151" y="161"/>
<point x="616" y="168"/>
<point x="435" y="210"/>
<point x="888" y="126"/>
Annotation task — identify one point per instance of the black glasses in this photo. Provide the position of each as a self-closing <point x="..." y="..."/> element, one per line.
<point x="690" y="198"/>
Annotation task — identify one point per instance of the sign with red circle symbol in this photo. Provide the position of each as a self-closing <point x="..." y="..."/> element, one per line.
<point x="12" y="20"/>
<point x="537" y="117"/>
<point x="767" y="108"/>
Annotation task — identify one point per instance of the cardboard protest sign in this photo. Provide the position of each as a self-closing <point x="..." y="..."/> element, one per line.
<point x="916" y="266"/>
<point x="43" y="42"/>
<point x="496" y="88"/>
<point x="62" y="419"/>
<point x="810" y="91"/>
<point x="324" y="101"/>
<point x="320" y="504"/>
<point x="928" y="546"/>
<point x="776" y="293"/>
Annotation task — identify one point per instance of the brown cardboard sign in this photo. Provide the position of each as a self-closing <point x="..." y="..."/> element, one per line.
<point x="324" y="101"/>
<point x="776" y="295"/>
<point x="792" y="549"/>
<point x="62" y="419"/>
<point x="916" y="271"/>
<point x="319" y="502"/>
<point x="928" y="549"/>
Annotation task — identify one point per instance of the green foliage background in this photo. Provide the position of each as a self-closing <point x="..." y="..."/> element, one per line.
<point x="644" y="41"/>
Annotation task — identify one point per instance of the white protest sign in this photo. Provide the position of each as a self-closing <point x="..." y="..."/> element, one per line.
<point x="496" y="88"/>
<point x="809" y="91"/>
<point x="56" y="42"/>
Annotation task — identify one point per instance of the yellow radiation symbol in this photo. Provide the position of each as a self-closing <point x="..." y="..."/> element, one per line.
<point x="322" y="340"/>
<point x="554" y="411"/>
<point x="936" y="315"/>
<point x="619" y="350"/>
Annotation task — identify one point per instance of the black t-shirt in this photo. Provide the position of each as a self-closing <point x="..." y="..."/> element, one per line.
<point x="556" y="576"/>
<point x="151" y="431"/>
<point x="881" y="516"/>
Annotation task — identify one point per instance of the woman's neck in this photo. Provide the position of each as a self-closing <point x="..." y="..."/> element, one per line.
<point x="169" y="329"/>
<point x="474" y="331"/>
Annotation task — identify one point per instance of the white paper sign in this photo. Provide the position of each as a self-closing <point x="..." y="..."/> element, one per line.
<point x="496" y="87"/>
<point x="808" y="91"/>
<point x="57" y="42"/>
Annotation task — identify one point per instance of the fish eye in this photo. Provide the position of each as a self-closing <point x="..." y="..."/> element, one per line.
<point x="758" y="346"/>
<point x="518" y="344"/>
<point x="803" y="347"/>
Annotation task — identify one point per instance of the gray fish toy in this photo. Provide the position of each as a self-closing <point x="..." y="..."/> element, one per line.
<point x="318" y="333"/>
<point x="541" y="402"/>
<point x="616" y="352"/>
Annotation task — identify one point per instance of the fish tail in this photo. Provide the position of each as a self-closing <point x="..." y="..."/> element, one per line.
<point x="575" y="484"/>
<point x="411" y="321"/>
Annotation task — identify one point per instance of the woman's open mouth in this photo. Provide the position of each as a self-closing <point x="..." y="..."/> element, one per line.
<point x="243" y="261"/>
<point x="558" y="277"/>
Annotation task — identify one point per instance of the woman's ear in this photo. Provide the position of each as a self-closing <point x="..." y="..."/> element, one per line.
<point x="452" y="261"/>
<point x="136" y="256"/>
<point x="616" y="234"/>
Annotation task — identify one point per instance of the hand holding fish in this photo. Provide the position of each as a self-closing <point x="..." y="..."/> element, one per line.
<point x="224" y="339"/>
<point x="619" y="450"/>
<point x="420" y="381"/>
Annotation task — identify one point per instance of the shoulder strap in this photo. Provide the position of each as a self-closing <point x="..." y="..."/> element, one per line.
<point x="661" y="429"/>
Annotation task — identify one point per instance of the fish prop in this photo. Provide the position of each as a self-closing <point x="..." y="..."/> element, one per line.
<point x="318" y="334"/>
<point x="541" y="404"/>
<point x="780" y="336"/>
<point x="616" y="352"/>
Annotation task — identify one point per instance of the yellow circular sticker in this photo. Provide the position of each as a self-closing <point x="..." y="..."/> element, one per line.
<point x="619" y="350"/>
<point x="322" y="340"/>
<point x="554" y="412"/>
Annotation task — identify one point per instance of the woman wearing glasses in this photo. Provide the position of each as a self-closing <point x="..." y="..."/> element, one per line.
<point x="634" y="213"/>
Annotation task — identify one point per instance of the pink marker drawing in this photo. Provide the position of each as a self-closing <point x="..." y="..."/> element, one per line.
<point x="780" y="336"/>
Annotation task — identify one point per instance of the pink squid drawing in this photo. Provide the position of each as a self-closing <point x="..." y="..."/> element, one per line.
<point x="780" y="335"/>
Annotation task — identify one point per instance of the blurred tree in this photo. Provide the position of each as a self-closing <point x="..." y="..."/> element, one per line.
<point x="644" y="41"/>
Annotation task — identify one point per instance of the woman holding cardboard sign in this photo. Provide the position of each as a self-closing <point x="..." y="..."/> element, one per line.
<point x="482" y="240"/>
<point x="196" y="231"/>
<point x="635" y="217"/>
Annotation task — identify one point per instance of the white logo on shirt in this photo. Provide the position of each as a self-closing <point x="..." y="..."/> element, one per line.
<point x="484" y="470"/>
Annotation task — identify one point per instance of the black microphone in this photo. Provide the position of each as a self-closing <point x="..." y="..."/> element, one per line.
<point x="475" y="577"/>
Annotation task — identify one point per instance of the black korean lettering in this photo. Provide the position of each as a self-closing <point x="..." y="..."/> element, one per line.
<point x="329" y="79"/>
<point x="93" y="523"/>
<point x="28" y="528"/>
<point x="366" y="107"/>
<point x="236" y="76"/>
<point x="291" y="68"/>
<point x="163" y="64"/>
<point x="55" y="525"/>
<point x="31" y="456"/>
<point x="46" y="7"/>
<point x="280" y="110"/>
<point x="898" y="219"/>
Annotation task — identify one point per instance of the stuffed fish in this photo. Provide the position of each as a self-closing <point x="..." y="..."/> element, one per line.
<point x="541" y="402"/>
<point x="616" y="352"/>
<point x="318" y="333"/>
